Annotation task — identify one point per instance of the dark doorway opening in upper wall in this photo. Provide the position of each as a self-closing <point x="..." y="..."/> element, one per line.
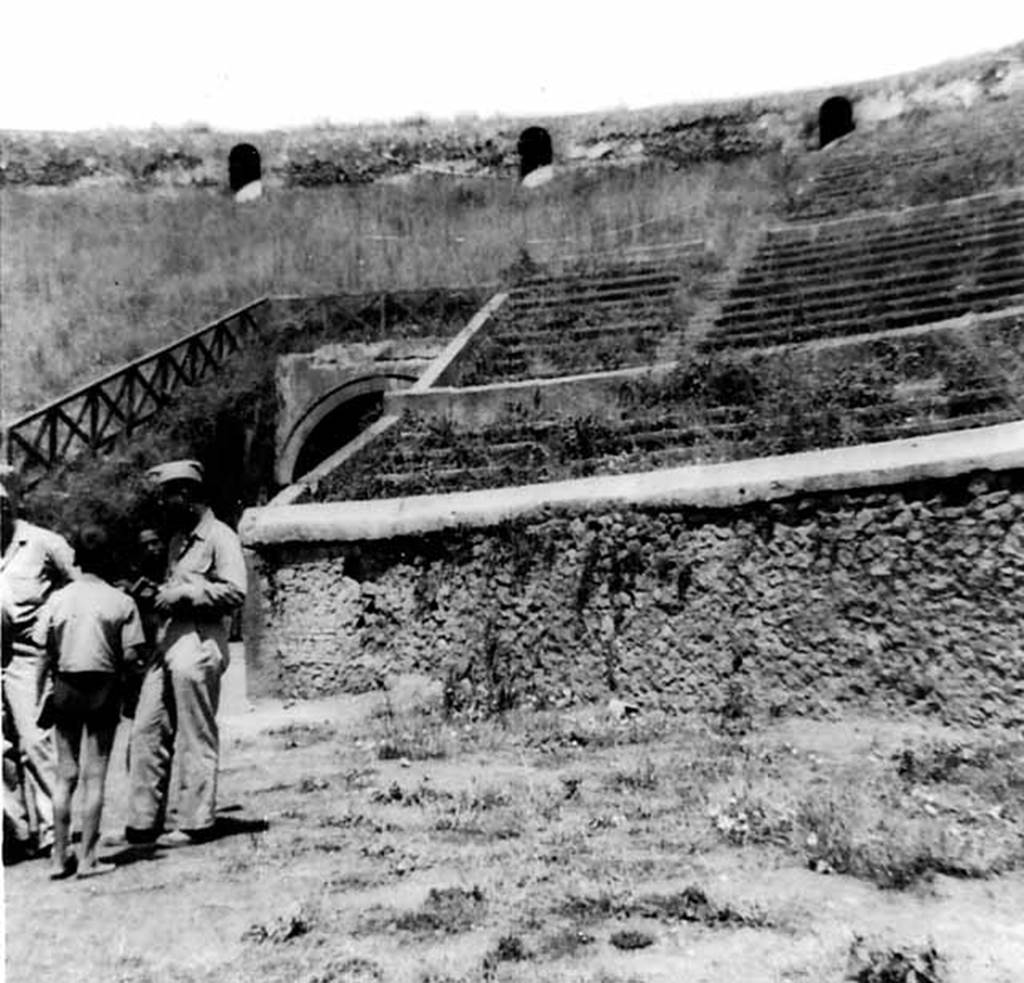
<point x="534" y="147"/>
<point x="835" y="119"/>
<point x="243" y="166"/>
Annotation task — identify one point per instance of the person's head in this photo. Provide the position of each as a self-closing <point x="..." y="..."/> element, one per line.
<point x="8" y="515"/>
<point x="92" y="550"/>
<point x="181" y="488"/>
<point x="151" y="550"/>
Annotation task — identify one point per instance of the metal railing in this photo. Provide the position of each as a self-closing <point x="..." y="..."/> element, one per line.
<point x="97" y="415"/>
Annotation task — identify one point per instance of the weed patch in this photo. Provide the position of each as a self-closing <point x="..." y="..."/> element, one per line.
<point x="629" y="939"/>
<point x="351" y="970"/>
<point x="447" y="911"/>
<point x="689" y="905"/>
<point x="889" y="965"/>
<point x="292" y="924"/>
<point x="293" y="736"/>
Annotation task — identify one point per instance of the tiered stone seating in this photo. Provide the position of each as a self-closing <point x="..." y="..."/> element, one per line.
<point x="724" y="406"/>
<point x="588" y="319"/>
<point x="877" y="273"/>
<point x="947" y="154"/>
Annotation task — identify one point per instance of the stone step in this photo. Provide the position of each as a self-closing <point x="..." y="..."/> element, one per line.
<point x="658" y="294"/>
<point x="770" y="262"/>
<point x="508" y="337"/>
<point x="842" y="281"/>
<point x="867" y="303"/>
<point x="892" y="275"/>
<point x="581" y="284"/>
<point x="869" y="307"/>
<point x="834" y="329"/>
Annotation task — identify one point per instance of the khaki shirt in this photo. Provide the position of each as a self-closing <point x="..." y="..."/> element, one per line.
<point x="209" y="564"/>
<point x="35" y="563"/>
<point x="88" y="626"/>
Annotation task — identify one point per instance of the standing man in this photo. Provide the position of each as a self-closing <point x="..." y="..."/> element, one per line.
<point x="34" y="562"/>
<point x="177" y="709"/>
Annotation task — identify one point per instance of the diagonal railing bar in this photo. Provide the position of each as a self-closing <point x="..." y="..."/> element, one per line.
<point x="113" y="412"/>
<point x="72" y="426"/>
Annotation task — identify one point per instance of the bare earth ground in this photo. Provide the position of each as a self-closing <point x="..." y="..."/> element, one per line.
<point x="558" y="846"/>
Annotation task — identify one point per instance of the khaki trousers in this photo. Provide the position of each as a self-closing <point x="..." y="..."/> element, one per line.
<point x="176" y="722"/>
<point x="21" y="692"/>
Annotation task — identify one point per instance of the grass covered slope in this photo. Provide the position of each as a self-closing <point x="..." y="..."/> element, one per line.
<point x="94" y="277"/>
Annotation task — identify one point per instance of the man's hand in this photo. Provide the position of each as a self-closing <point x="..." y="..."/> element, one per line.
<point x="174" y="597"/>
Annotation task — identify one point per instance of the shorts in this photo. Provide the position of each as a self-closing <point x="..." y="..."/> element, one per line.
<point x="89" y="698"/>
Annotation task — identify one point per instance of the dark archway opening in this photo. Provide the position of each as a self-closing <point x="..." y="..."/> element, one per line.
<point x="342" y="424"/>
<point x="534" y="147"/>
<point x="835" y="119"/>
<point x="243" y="166"/>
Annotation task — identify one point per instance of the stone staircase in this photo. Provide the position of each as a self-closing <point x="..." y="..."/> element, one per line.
<point x="877" y="273"/>
<point x="588" y="319"/>
<point x="726" y="406"/>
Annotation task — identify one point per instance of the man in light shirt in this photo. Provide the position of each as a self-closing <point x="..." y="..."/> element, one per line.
<point x="33" y="563"/>
<point x="176" y="714"/>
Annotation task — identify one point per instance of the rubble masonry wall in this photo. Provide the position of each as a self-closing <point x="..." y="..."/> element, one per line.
<point x="906" y="597"/>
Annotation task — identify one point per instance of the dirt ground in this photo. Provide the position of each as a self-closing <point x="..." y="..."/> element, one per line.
<point x="586" y="845"/>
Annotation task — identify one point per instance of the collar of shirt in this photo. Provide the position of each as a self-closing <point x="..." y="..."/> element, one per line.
<point x="19" y="537"/>
<point x="201" y="531"/>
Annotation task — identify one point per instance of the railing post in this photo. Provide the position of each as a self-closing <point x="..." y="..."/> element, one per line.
<point x="51" y="438"/>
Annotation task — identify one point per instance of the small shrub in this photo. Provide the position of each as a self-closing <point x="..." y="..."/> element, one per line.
<point x="298" y="921"/>
<point x="888" y="965"/>
<point x="641" y="778"/>
<point x="630" y="939"/>
<point x="447" y="911"/>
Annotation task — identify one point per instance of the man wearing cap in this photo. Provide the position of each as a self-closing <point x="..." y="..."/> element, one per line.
<point x="34" y="562"/>
<point x="177" y="708"/>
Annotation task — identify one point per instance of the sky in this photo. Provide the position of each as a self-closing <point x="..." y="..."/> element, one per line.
<point x="98" y="63"/>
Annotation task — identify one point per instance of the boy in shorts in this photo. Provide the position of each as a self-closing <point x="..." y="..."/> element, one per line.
<point x="91" y="632"/>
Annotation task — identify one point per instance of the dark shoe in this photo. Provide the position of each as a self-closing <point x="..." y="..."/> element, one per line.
<point x="130" y="837"/>
<point x="68" y="869"/>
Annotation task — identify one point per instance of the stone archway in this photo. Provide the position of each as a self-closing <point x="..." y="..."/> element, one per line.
<point x="835" y="119"/>
<point x="244" y="166"/>
<point x="333" y="420"/>
<point x="534" y="148"/>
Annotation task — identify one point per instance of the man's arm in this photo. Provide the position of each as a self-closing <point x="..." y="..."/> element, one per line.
<point x="222" y="591"/>
<point x="61" y="559"/>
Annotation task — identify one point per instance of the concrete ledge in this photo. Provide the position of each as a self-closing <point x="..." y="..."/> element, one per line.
<point x="481" y="405"/>
<point x="441" y="367"/>
<point x="710" y="486"/>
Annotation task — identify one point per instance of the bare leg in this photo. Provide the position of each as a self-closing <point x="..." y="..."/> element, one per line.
<point x="69" y="741"/>
<point x="97" y="744"/>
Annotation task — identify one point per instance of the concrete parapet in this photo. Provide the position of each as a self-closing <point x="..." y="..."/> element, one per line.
<point x="716" y="486"/>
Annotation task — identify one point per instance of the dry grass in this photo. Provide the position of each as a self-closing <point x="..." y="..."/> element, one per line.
<point x="92" y="277"/>
<point x="561" y="846"/>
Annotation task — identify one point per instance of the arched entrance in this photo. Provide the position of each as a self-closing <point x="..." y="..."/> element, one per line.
<point x="835" y="119"/>
<point x="333" y="421"/>
<point x="534" y="147"/>
<point x="244" y="166"/>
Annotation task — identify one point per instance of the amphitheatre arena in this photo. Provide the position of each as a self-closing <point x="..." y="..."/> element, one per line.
<point x="636" y="551"/>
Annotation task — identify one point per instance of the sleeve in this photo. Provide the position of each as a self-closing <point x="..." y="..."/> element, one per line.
<point x="41" y="625"/>
<point x="132" y="634"/>
<point x="223" y="590"/>
<point x="61" y="559"/>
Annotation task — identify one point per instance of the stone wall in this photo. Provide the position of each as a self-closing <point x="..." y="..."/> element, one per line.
<point x="897" y="598"/>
